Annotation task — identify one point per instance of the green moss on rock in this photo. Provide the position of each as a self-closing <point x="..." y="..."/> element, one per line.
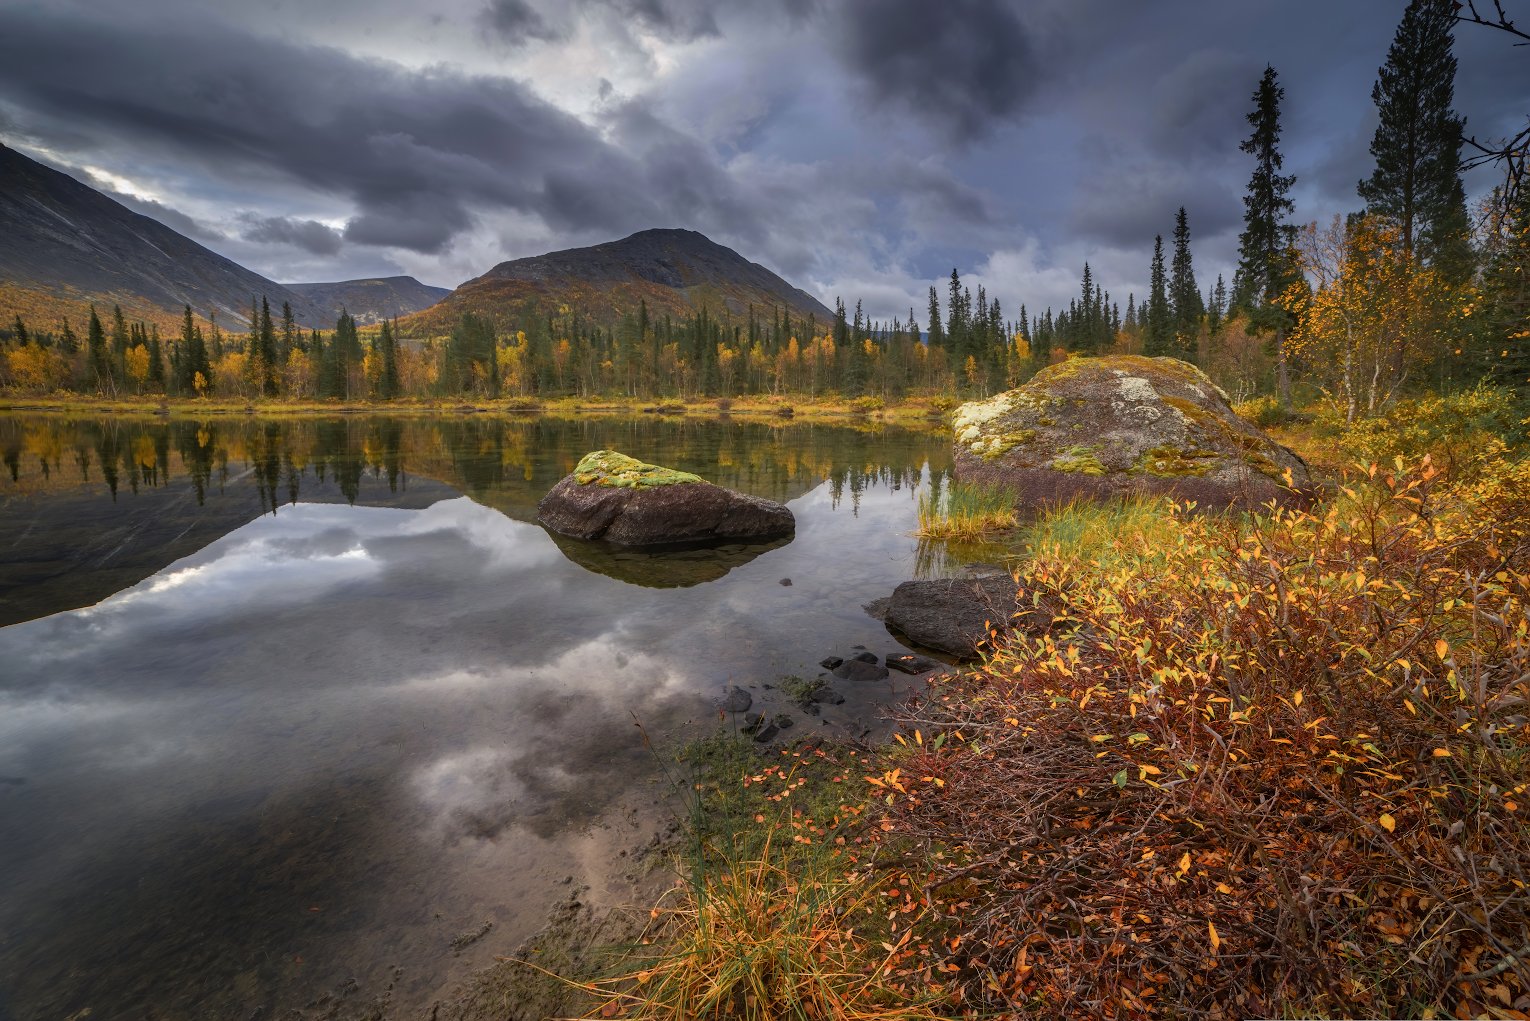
<point x="1078" y="461"/>
<point x="618" y="471"/>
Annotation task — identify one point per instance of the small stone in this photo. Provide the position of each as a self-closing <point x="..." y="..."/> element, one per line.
<point x="912" y="664"/>
<point x="736" y="700"/>
<point x="752" y="722"/>
<point x="830" y="663"/>
<point x="866" y="657"/>
<point x="786" y="582"/>
<point x="782" y="720"/>
<point x="766" y="733"/>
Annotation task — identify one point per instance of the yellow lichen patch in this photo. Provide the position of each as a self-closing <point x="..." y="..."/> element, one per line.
<point x="609" y="468"/>
<point x="1168" y="462"/>
<point x="1002" y="443"/>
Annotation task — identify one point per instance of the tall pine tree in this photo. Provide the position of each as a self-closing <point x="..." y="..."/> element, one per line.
<point x="1160" y="323"/>
<point x="1184" y="293"/>
<point x="1266" y="266"/>
<point x="1417" y="145"/>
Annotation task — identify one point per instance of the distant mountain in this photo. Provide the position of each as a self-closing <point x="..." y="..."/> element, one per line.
<point x="63" y="244"/>
<point x="372" y="301"/>
<point x="675" y="271"/>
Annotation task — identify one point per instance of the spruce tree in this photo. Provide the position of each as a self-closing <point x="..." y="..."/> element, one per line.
<point x="1265" y="264"/>
<point x="1417" y="145"/>
<point x="1184" y="293"/>
<point x="1160" y="322"/>
<point x="266" y="342"/>
<point x="98" y="361"/>
<point x="936" y="333"/>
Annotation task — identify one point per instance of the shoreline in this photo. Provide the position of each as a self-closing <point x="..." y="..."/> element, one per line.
<point x="928" y="412"/>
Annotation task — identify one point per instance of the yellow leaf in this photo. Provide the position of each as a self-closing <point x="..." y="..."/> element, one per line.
<point x="644" y="976"/>
<point x="1441" y="648"/>
<point x="1296" y="699"/>
<point x="1216" y="941"/>
<point x="1223" y="888"/>
<point x="1442" y="753"/>
<point x="1184" y="863"/>
<point x="1387" y="822"/>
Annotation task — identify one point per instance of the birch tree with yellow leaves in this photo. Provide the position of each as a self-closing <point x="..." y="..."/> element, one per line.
<point x="1367" y="315"/>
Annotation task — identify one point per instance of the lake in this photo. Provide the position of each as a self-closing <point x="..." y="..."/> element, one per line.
<point x="290" y="705"/>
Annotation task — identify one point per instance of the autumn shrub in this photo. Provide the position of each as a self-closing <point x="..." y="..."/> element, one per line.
<point x="1262" y="411"/>
<point x="1276" y="767"/>
<point x="1462" y="433"/>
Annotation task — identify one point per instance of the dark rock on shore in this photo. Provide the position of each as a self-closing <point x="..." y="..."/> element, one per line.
<point x="621" y="500"/>
<point x="953" y="615"/>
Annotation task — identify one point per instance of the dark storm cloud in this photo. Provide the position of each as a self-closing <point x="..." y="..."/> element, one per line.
<point x="962" y="67"/>
<point x="1127" y="206"/>
<point x="414" y="151"/>
<point x="1202" y="103"/>
<point x="516" y="22"/>
<point x="310" y="235"/>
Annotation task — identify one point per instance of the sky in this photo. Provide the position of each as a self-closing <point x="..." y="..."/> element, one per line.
<point x="860" y="148"/>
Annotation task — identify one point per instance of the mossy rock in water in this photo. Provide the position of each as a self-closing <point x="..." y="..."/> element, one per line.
<point x="1151" y="425"/>
<point x="622" y="500"/>
<point x="608" y="468"/>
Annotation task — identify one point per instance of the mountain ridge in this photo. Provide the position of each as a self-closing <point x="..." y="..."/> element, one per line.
<point x="673" y="270"/>
<point x="371" y="299"/>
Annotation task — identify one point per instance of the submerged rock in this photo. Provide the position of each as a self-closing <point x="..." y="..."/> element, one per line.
<point x="859" y="668"/>
<point x="1123" y="424"/>
<point x="621" y="500"/>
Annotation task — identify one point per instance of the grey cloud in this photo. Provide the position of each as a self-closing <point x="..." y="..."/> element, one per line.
<point x="310" y="235"/>
<point x="963" y="67"/>
<point x="516" y="22"/>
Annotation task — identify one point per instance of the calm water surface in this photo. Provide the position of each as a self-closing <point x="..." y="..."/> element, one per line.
<point x="285" y="703"/>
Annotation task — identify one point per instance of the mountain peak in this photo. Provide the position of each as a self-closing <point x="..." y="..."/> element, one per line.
<point x="672" y="270"/>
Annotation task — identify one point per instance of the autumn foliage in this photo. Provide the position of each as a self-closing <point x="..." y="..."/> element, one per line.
<point x="1274" y="767"/>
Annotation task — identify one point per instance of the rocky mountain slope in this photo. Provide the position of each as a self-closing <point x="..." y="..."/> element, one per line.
<point x="674" y="271"/>
<point x="64" y="245"/>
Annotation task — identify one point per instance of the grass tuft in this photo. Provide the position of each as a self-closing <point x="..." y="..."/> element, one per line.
<point x="965" y="512"/>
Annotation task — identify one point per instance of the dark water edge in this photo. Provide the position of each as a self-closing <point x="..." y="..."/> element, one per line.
<point x="253" y="749"/>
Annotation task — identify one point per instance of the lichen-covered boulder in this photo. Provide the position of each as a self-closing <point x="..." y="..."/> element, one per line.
<point x="621" y="500"/>
<point x="1122" y="424"/>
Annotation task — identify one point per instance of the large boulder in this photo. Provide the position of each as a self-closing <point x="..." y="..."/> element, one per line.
<point x="1121" y="424"/>
<point x="621" y="500"/>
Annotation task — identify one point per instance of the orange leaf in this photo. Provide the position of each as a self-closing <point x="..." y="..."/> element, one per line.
<point x="1216" y="941"/>
<point x="1387" y="822"/>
